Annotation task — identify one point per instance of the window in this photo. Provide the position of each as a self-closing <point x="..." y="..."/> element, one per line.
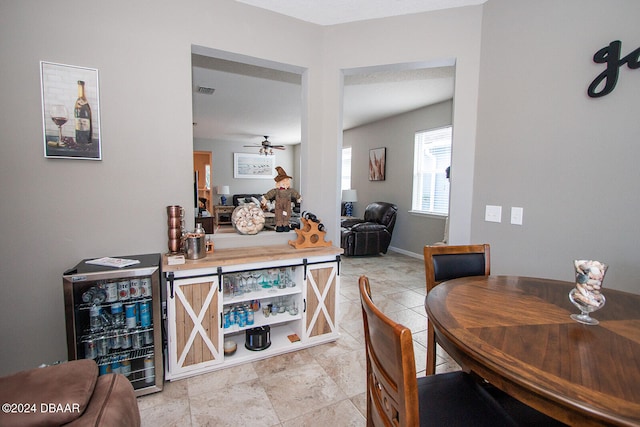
<point x="346" y="169"/>
<point x="432" y="156"/>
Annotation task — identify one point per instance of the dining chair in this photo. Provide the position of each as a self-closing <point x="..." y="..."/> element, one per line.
<point x="450" y="262"/>
<point x="395" y="397"/>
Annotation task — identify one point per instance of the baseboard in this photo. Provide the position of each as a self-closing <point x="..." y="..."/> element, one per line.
<point x="407" y="253"/>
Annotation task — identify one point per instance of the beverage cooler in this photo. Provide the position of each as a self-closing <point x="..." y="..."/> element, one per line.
<point x="113" y="315"/>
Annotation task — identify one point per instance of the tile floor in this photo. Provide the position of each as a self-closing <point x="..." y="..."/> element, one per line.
<point x="320" y="386"/>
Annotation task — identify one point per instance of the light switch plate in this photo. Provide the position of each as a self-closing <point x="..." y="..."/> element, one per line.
<point x="493" y="213"/>
<point x="516" y="215"/>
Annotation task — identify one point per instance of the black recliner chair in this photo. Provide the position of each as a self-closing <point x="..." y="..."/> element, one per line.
<point x="372" y="235"/>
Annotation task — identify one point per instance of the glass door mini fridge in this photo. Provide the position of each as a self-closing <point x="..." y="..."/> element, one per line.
<point x="113" y="315"/>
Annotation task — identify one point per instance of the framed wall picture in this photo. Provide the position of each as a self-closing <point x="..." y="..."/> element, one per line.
<point x="377" y="160"/>
<point x="256" y="166"/>
<point x="70" y="111"/>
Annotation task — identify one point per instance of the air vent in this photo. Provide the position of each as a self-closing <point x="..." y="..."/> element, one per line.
<point x="206" y="90"/>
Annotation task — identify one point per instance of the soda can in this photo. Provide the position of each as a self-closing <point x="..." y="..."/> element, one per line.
<point x="147" y="337"/>
<point x="149" y="370"/>
<point x="123" y="290"/>
<point x="90" y="351"/>
<point x="130" y="315"/>
<point x="111" y="287"/>
<point x="145" y="314"/>
<point x="134" y="288"/>
<point x="125" y="340"/>
<point x="115" y="367"/>
<point x="137" y="340"/>
<point x="115" y="342"/>
<point x="104" y="369"/>
<point x="102" y="345"/>
<point x="242" y="318"/>
<point x="145" y="287"/>
<point x="125" y="367"/>
<point x="117" y="314"/>
<point x="227" y="318"/>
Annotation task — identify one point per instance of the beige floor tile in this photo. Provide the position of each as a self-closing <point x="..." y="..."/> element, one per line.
<point x="343" y="414"/>
<point x="348" y="370"/>
<point x="220" y="380"/>
<point x="303" y="389"/>
<point x="243" y="404"/>
<point x="171" y="413"/>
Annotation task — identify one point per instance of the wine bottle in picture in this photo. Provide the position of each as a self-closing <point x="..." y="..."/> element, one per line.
<point x="84" y="127"/>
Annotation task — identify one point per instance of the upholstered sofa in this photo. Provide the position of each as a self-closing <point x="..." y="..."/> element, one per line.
<point x="371" y="235"/>
<point x="69" y="394"/>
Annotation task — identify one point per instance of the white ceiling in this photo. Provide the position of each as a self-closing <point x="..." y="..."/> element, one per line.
<point x="330" y="12"/>
<point x="252" y="101"/>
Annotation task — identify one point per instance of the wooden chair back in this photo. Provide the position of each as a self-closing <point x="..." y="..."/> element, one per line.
<point x="392" y="387"/>
<point x="451" y="262"/>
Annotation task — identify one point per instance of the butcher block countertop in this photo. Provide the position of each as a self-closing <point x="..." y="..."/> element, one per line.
<point x="252" y="254"/>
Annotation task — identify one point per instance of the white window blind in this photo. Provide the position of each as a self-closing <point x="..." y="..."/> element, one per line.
<point x="346" y="169"/>
<point x="432" y="156"/>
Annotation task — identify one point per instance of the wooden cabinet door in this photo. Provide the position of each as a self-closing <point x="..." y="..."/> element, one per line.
<point x="195" y="335"/>
<point x="321" y="300"/>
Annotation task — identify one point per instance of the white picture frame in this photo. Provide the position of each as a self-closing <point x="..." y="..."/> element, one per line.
<point x="59" y="90"/>
<point x="253" y="166"/>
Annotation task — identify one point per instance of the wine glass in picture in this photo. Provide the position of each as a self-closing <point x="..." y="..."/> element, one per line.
<point x="59" y="116"/>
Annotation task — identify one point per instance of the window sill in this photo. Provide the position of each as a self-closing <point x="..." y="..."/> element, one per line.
<point x="428" y="214"/>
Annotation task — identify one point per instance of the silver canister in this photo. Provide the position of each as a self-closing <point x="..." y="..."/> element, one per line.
<point x="195" y="245"/>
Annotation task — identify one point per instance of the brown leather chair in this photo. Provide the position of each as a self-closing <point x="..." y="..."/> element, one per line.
<point x="395" y="397"/>
<point x="371" y="235"/>
<point x="450" y="262"/>
<point x="69" y="394"/>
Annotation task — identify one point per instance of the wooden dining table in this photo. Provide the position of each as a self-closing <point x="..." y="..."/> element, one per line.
<point x="516" y="333"/>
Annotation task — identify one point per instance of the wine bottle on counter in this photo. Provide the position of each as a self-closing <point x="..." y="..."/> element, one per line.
<point x="84" y="126"/>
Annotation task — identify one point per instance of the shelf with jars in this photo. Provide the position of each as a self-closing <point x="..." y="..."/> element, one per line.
<point x="240" y="306"/>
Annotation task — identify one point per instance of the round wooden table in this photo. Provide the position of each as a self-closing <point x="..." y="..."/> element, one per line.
<point x="517" y="334"/>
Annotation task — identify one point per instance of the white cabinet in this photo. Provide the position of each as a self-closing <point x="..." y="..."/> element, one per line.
<point x="194" y="338"/>
<point x="291" y="293"/>
<point x="321" y="299"/>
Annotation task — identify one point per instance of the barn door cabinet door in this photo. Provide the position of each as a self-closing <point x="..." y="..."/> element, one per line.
<point x="321" y="285"/>
<point x="194" y="338"/>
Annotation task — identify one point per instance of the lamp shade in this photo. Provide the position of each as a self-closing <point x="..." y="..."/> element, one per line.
<point x="349" y="196"/>
<point x="223" y="189"/>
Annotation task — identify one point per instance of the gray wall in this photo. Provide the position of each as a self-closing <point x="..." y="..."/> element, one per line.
<point x="571" y="161"/>
<point x="397" y="134"/>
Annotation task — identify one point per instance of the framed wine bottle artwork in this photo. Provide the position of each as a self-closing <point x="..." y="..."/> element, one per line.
<point x="70" y="111"/>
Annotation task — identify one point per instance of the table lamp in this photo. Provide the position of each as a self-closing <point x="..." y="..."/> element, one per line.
<point x="223" y="190"/>
<point x="348" y="197"/>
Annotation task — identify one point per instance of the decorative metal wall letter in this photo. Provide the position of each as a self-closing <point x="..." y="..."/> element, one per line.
<point x="610" y="55"/>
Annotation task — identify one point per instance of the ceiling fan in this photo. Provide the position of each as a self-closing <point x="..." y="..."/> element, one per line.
<point x="266" y="148"/>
